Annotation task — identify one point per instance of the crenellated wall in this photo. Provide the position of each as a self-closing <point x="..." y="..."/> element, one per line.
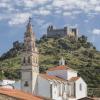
<point x="66" y="31"/>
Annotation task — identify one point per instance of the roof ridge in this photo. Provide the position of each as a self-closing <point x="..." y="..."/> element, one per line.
<point x="52" y="77"/>
<point x="60" y="67"/>
<point x="73" y="79"/>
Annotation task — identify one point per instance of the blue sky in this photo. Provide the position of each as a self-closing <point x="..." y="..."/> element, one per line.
<point x="14" y="14"/>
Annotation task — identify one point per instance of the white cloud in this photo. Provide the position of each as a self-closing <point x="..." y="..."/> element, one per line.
<point x="96" y="31"/>
<point x="3" y="5"/>
<point x="82" y="5"/>
<point x="58" y="3"/>
<point x="97" y="8"/>
<point x="76" y="12"/>
<point x="42" y="11"/>
<point x="40" y="1"/>
<point x="58" y="12"/>
<point x="67" y="14"/>
<point x="46" y="7"/>
<point x="29" y="3"/>
<point x="19" y="18"/>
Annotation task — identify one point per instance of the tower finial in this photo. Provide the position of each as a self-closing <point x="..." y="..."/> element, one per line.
<point x="29" y="25"/>
<point x="62" y="61"/>
<point x="30" y="19"/>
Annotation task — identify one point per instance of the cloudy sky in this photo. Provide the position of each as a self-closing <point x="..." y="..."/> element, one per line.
<point x="14" y="14"/>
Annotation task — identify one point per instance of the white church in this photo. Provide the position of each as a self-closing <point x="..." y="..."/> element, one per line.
<point x="58" y="83"/>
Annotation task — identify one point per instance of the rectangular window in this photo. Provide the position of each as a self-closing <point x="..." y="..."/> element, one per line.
<point x="51" y="90"/>
<point x="80" y="87"/>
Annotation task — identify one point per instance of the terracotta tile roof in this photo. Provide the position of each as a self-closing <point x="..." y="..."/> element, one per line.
<point x="73" y="79"/>
<point x="52" y="77"/>
<point x="59" y="68"/>
<point x="18" y="94"/>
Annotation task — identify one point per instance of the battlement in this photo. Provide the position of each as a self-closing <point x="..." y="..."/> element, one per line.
<point x="66" y="31"/>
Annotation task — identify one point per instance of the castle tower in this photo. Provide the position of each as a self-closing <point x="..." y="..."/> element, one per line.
<point x="30" y="67"/>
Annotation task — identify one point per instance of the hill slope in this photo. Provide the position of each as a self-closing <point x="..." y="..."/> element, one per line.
<point x="80" y="55"/>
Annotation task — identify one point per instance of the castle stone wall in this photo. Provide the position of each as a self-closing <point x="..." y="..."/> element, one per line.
<point x="66" y="31"/>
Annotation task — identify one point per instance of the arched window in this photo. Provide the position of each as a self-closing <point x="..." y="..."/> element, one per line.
<point x="80" y="87"/>
<point x="29" y="59"/>
<point x="51" y="94"/>
<point x="24" y="60"/>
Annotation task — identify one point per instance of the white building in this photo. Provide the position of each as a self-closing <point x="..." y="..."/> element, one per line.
<point x="59" y="83"/>
<point x="7" y="83"/>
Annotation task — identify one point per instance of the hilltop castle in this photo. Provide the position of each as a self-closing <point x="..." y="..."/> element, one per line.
<point x="71" y="32"/>
<point x="58" y="83"/>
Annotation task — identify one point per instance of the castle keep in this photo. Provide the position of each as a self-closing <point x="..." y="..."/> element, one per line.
<point x="71" y="32"/>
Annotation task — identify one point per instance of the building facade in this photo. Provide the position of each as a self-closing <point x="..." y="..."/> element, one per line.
<point x="30" y="67"/>
<point x="58" y="83"/>
<point x="71" y="32"/>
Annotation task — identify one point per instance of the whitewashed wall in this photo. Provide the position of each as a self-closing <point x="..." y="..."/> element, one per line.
<point x="71" y="88"/>
<point x="43" y="87"/>
<point x="71" y="99"/>
<point x="55" y="90"/>
<point x="26" y="76"/>
<point x="71" y="73"/>
<point x="83" y="92"/>
<point x="65" y="74"/>
<point x="17" y="85"/>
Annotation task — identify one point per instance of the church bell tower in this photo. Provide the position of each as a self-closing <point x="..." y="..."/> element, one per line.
<point x="29" y="60"/>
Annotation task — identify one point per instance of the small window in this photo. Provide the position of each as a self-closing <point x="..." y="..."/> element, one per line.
<point x="29" y="59"/>
<point x="24" y="60"/>
<point x="80" y="87"/>
<point x="26" y="84"/>
<point x="51" y="94"/>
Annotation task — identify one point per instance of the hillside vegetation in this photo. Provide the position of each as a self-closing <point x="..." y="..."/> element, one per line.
<point x="80" y="55"/>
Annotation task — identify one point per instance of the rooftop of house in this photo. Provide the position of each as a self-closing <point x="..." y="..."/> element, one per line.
<point x="73" y="79"/>
<point x="18" y="94"/>
<point x="61" y="67"/>
<point x="50" y="77"/>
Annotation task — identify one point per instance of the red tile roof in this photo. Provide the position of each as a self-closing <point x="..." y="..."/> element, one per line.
<point x="73" y="79"/>
<point x="18" y="94"/>
<point x="59" y="68"/>
<point x="51" y="77"/>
